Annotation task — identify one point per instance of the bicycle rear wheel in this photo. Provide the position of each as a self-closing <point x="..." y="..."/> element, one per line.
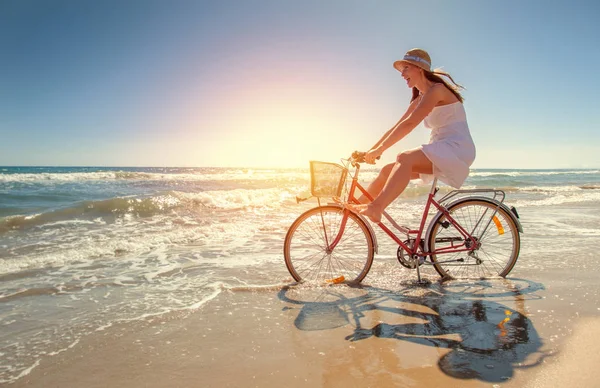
<point x="306" y="251"/>
<point x="494" y="230"/>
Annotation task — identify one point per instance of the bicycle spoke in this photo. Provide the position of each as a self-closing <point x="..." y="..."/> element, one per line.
<point x="307" y="252"/>
<point x="497" y="249"/>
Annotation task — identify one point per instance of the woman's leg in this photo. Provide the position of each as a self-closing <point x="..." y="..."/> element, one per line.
<point x="377" y="185"/>
<point x="407" y="165"/>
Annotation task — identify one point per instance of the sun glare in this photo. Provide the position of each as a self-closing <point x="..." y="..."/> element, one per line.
<point x="279" y="130"/>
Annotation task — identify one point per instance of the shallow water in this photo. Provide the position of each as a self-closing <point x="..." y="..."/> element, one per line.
<point x="84" y="248"/>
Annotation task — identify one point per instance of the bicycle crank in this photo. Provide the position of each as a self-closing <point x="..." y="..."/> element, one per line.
<point x="409" y="261"/>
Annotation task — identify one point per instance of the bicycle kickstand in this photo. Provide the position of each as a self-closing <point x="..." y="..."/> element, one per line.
<point x="420" y="281"/>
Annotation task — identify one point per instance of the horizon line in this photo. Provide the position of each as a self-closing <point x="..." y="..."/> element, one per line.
<point x="271" y="167"/>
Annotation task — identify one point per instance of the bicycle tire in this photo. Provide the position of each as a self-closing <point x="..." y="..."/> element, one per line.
<point x="499" y="244"/>
<point x="305" y="250"/>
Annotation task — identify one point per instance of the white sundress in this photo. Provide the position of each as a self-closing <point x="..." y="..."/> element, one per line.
<point x="451" y="148"/>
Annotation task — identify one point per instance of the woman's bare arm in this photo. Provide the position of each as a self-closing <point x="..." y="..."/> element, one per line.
<point x="409" y="110"/>
<point x="409" y="121"/>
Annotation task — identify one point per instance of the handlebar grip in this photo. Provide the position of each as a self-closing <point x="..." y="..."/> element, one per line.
<point x="359" y="156"/>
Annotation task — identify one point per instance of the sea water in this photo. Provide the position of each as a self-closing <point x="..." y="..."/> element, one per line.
<point x="85" y="248"/>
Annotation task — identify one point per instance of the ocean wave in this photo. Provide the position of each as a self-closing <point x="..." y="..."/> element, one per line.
<point x="89" y="210"/>
<point x="560" y="199"/>
<point x="238" y="199"/>
<point x="557" y="189"/>
<point x="10" y="296"/>
<point x="64" y="177"/>
<point x="201" y="174"/>
<point x="529" y="173"/>
<point x="420" y="190"/>
<point x="173" y="201"/>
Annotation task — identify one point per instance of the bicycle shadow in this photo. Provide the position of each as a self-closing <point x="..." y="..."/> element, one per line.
<point x="488" y="339"/>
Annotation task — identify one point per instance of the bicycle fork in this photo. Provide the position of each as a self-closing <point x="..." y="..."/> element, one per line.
<point x="330" y="247"/>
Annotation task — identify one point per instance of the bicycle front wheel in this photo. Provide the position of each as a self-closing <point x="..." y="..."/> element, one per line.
<point x="494" y="230"/>
<point x="307" y="251"/>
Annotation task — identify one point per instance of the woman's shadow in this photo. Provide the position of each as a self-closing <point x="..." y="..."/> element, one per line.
<point x="487" y="337"/>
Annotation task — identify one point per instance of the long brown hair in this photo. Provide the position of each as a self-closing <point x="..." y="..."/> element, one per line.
<point x="433" y="77"/>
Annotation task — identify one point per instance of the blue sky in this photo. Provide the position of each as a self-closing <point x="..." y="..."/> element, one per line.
<point x="277" y="83"/>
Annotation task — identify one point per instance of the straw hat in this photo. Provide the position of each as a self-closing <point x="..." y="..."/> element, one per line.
<point x="417" y="57"/>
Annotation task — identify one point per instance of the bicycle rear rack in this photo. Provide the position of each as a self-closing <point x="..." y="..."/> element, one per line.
<point x="494" y="194"/>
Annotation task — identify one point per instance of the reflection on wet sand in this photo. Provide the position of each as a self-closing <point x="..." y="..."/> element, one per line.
<point x="482" y="325"/>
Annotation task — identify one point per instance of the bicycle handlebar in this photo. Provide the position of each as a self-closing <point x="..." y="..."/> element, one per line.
<point x="359" y="157"/>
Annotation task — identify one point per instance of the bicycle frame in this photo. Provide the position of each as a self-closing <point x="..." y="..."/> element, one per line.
<point x="416" y="247"/>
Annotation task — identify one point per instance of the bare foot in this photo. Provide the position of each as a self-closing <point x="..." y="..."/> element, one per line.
<point x="372" y="212"/>
<point x="354" y="208"/>
<point x="369" y="210"/>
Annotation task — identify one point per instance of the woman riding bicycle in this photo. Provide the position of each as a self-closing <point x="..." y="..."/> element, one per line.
<point x="450" y="151"/>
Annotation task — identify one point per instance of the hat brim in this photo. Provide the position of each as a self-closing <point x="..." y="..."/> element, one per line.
<point x="398" y="63"/>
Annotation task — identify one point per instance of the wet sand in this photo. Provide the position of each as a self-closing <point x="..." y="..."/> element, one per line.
<point x="457" y="334"/>
<point x="575" y="363"/>
<point x="538" y="328"/>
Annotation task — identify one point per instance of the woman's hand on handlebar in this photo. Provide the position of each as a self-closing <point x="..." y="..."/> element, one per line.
<point x="361" y="157"/>
<point x="373" y="155"/>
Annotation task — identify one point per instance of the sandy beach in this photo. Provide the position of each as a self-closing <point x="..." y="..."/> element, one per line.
<point x="477" y="334"/>
<point x="207" y="302"/>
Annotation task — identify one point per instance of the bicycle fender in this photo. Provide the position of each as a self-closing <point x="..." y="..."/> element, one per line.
<point x="363" y="219"/>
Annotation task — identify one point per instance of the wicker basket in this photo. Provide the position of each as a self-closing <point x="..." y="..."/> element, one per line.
<point x="327" y="179"/>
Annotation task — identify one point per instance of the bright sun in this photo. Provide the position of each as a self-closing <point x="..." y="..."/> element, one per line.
<point x="276" y="129"/>
<point x="276" y="120"/>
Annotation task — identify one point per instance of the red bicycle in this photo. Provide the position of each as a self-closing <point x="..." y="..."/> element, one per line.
<point x="474" y="234"/>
